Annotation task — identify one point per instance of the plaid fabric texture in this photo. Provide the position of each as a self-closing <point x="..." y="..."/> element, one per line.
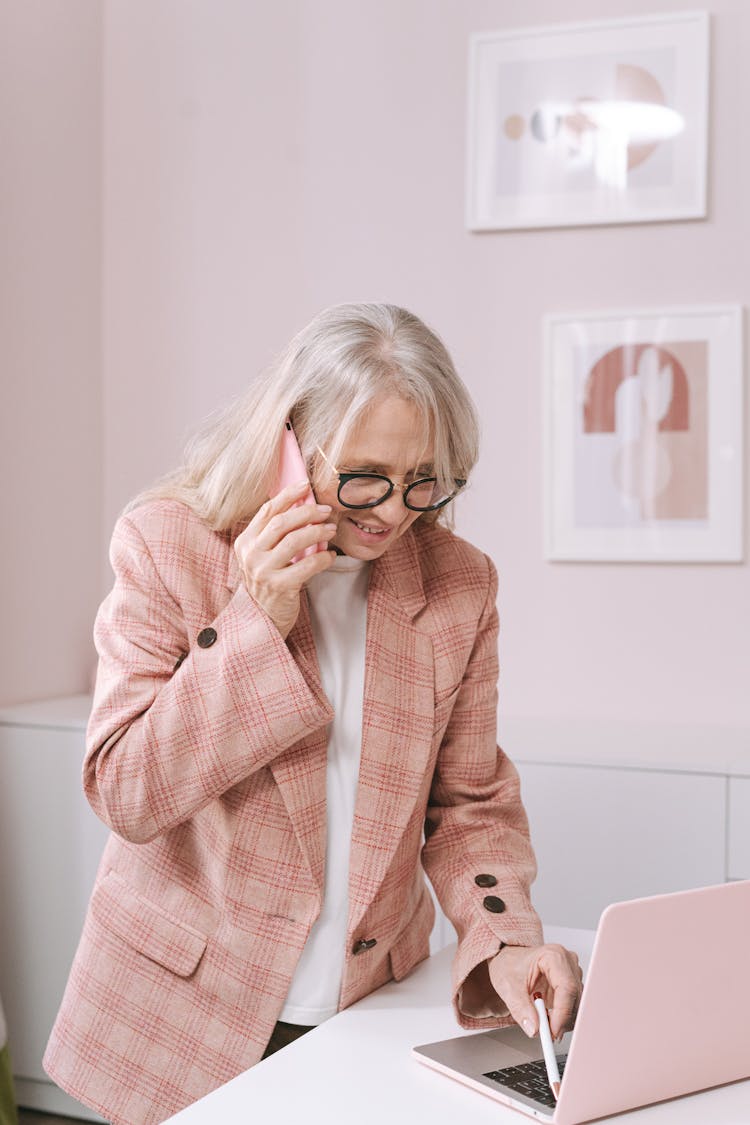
<point x="209" y="762"/>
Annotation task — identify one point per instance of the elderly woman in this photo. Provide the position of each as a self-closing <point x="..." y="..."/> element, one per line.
<point x="280" y="734"/>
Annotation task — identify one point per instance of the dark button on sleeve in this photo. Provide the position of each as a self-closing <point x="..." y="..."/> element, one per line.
<point x="493" y="904"/>
<point x="485" y="881"/>
<point x="363" y="944"/>
<point x="207" y="637"/>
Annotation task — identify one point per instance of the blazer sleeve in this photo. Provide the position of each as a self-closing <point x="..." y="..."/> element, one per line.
<point x="477" y="825"/>
<point x="174" y="725"/>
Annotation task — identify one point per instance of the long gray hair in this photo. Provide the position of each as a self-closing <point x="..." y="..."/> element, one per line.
<point x="329" y="375"/>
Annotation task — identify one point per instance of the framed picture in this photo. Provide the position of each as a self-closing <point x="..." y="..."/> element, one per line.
<point x="588" y="123"/>
<point x="643" y="435"/>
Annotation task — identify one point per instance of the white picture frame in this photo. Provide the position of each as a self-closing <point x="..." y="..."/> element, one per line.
<point x="588" y="123"/>
<point x="643" y="435"/>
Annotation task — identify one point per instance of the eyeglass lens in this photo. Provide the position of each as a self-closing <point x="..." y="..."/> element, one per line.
<point x="364" y="491"/>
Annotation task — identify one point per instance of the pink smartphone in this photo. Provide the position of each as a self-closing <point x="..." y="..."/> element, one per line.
<point x="292" y="469"/>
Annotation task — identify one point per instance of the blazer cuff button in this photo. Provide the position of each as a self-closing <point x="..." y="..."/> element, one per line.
<point x="485" y="880"/>
<point x="493" y="904"/>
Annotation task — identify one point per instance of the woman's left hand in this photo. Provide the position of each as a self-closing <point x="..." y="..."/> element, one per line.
<point x="517" y="972"/>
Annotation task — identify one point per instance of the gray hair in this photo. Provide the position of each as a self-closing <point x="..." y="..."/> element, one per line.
<point x="326" y="380"/>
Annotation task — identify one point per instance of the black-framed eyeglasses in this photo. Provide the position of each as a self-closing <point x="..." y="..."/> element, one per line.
<point x="367" y="490"/>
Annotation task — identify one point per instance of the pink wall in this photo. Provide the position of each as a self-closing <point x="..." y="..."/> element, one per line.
<point x="263" y="160"/>
<point x="50" y="285"/>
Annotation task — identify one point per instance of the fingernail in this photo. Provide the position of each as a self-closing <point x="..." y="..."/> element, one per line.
<point x="528" y="1027"/>
<point x="325" y="508"/>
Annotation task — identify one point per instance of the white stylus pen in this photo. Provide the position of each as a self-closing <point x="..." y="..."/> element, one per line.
<point x="548" y="1048"/>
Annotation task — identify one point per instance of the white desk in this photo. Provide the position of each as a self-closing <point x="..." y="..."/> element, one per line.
<point x="358" y="1066"/>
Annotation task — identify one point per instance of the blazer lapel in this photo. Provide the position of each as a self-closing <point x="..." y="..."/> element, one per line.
<point x="397" y="727"/>
<point x="397" y="724"/>
<point x="300" y="771"/>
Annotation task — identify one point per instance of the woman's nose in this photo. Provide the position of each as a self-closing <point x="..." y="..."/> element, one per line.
<point x="394" y="506"/>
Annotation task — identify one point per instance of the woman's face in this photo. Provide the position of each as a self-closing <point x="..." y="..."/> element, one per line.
<point x="390" y="440"/>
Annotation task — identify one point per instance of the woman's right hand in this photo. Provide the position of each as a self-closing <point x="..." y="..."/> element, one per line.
<point x="277" y="533"/>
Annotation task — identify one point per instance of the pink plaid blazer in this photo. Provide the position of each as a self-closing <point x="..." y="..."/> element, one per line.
<point x="209" y="765"/>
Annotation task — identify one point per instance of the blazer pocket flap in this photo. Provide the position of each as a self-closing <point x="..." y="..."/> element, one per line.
<point x="146" y="927"/>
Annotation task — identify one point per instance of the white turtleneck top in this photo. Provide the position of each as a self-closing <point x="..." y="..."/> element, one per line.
<point x="338" y="613"/>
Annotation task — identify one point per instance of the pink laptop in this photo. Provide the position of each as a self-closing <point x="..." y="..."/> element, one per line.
<point x="665" y="1012"/>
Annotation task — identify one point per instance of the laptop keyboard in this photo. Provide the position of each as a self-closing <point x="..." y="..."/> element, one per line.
<point x="529" y="1079"/>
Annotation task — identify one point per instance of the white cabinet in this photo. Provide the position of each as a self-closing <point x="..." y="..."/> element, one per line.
<point x="622" y="810"/>
<point x="739" y="828"/>
<point x="628" y="809"/>
<point x="603" y="835"/>
<point x="50" y="844"/>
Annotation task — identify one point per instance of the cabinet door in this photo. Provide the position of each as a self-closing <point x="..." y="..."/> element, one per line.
<point x="50" y="845"/>
<point x="602" y="835"/>
<point x="739" y="828"/>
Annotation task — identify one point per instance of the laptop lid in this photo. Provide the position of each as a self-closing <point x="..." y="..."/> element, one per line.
<point x="664" y="1010"/>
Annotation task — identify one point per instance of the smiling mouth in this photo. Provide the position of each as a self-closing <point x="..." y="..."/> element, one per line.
<point x="374" y="531"/>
